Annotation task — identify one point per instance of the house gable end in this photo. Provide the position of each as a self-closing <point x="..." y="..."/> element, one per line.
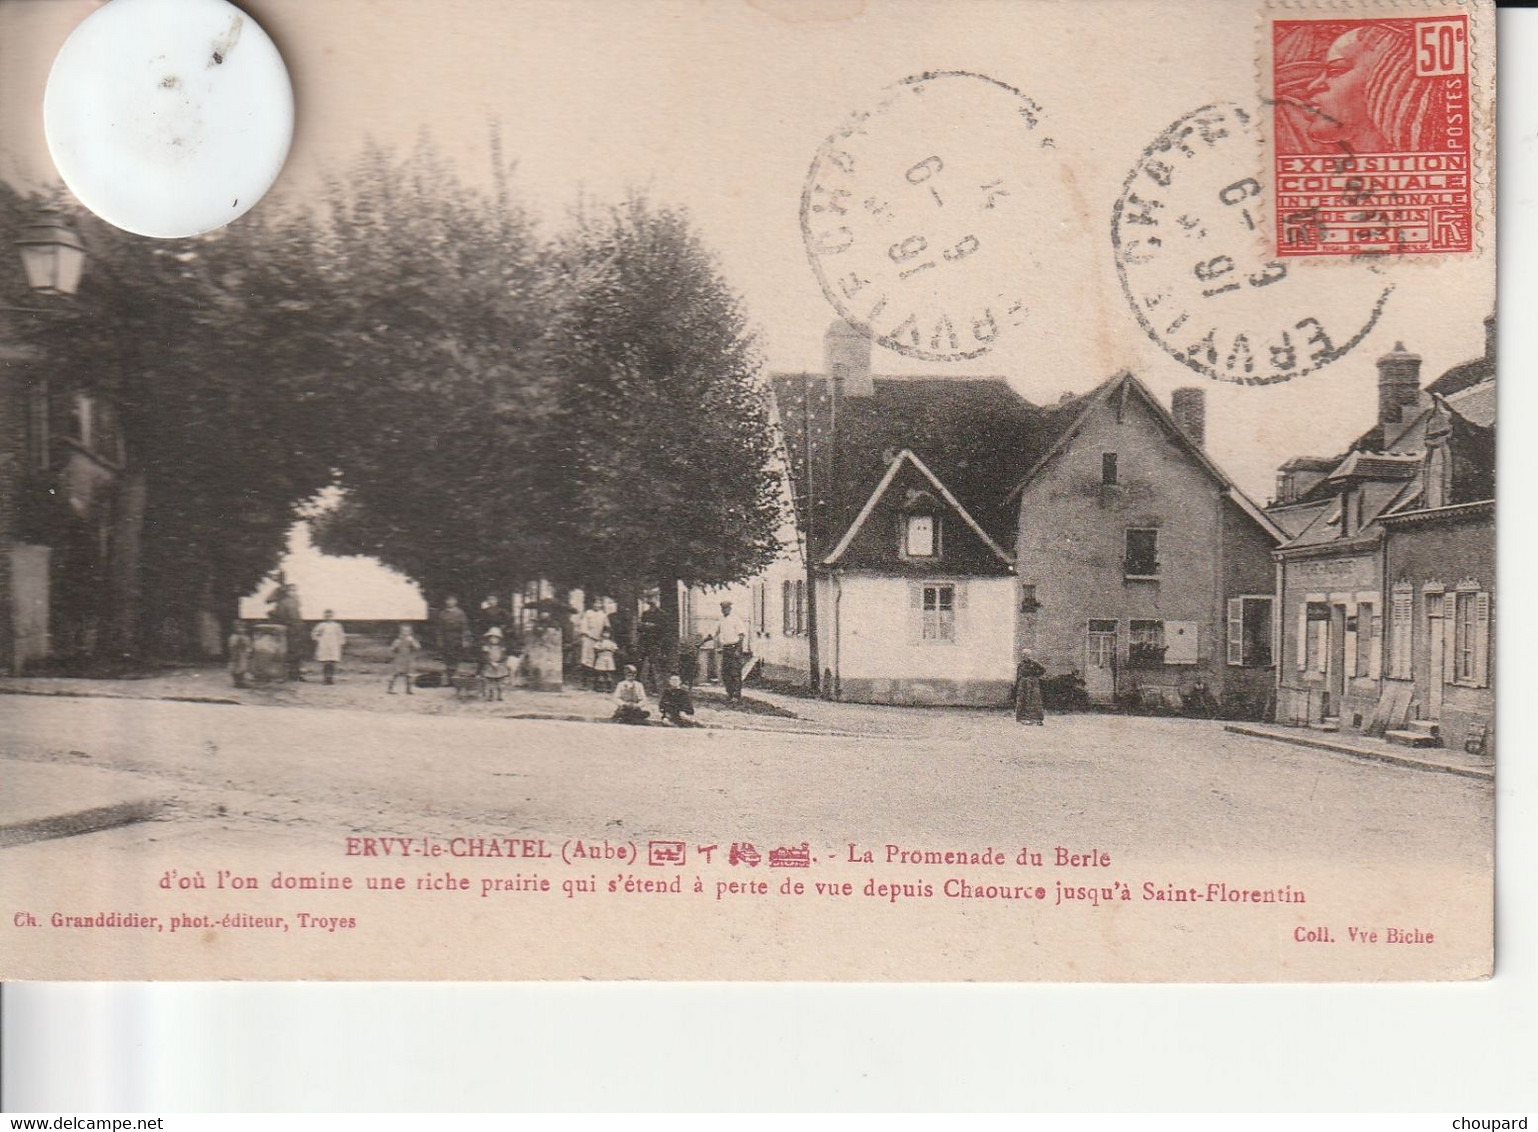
<point x="878" y="539"/>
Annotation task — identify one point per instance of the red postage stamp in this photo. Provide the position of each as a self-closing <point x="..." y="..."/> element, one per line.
<point x="1371" y="136"/>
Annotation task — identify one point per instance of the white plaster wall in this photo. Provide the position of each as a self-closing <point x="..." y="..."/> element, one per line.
<point x="874" y="637"/>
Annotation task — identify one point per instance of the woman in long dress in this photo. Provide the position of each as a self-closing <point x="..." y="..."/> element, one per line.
<point x="1028" y="705"/>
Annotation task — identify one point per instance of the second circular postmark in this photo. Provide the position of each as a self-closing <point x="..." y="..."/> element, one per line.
<point x="915" y="211"/>
<point x="1193" y="261"/>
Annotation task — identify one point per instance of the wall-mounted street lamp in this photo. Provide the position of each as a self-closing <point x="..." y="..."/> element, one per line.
<point x="52" y="255"/>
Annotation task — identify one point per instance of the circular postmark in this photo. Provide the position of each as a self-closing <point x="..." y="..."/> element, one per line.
<point x="913" y="214"/>
<point x="1193" y="261"/>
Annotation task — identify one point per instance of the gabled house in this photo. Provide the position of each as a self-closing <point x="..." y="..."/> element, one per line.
<point x="941" y="524"/>
<point x="1141" y="564"/>
<point x="1387" y="581"/>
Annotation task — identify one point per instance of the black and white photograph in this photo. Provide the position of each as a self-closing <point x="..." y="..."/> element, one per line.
<point x="782" y="491"/>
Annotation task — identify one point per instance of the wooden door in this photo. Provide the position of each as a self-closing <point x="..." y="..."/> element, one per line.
<point x="1100" y="662"/>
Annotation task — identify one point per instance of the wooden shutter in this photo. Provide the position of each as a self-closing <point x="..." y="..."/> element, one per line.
<point x="1303" y="637"/>
<point x="1482" y="640"/>
<point x="1449" y="638"/>
<point x="915" y="613"/>
<point x="1236" y="630"/>
<point x="1375" y="648"/>
<point x="1403" y="628"/>
<point x="1348" y="661"/>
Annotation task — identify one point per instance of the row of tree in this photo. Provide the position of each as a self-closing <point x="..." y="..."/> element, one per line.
<point x="495" y="406"/>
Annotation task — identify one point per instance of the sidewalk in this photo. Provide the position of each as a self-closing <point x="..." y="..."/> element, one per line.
<point x="1379" y="750"/>
<point x="361" y="686"/>
<point x="43" y="800"/>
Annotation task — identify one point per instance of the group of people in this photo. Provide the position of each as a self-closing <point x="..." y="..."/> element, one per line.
<point x="327" y="637"/>
<point x="597" y="653"/>
<point x="675" y="705"/>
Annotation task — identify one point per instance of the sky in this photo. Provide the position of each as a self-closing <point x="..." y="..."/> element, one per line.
<point x="721" y="106"/>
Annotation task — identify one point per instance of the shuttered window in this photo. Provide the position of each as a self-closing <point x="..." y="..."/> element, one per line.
<point x="793" y="608"/>
<point x="933" y="611"/>
<point x="1470" y="635"/>
<point x="1249" y="631"/>
<point x="939" y="613"/>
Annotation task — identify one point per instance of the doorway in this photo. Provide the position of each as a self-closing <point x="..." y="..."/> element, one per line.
<point x="1335" y="674"/>
<point x="1100" y="662"/>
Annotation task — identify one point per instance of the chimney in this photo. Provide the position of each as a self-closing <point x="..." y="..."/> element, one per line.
<point x="1189" y="408"/>
<point x="847" y="352"/>
<point x="1490" y="337"/>
<point x="1399" y="383"/>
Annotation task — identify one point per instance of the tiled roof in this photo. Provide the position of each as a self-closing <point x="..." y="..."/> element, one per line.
<point x="977" y="435"/>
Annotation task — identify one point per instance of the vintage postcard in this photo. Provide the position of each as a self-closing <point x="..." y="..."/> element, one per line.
<point x="763" y="490"/>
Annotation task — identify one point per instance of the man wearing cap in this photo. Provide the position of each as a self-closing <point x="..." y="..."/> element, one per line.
<point x="731" y="637"/>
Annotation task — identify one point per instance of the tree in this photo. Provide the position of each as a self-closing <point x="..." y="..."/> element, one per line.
<point x="187" y="342"/>
<point x="433" y="328"/>
<point x="664" y="430"/>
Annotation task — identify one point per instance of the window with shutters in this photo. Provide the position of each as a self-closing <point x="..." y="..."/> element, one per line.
<point x="939" y="613"/>
<point x="793" y="608"/>
<point x="1471" y="637"/>
<point x="1401" y="632"/>
<point x="1249" y="631"/>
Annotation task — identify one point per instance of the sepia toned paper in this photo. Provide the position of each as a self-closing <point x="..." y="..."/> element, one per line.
<point x="1065" y="423"/>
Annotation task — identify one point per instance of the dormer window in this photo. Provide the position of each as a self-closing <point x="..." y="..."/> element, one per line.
<point x="1436" y="477"/>
<point x="919" y="531"/>
<point x="921" y="536"/>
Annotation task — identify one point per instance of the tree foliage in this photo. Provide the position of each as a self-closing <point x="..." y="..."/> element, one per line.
<point x="663" y="425"/>
<point x="432" y="325"/>
<point x="189" y="339"/>
<point x="495" y="408"/>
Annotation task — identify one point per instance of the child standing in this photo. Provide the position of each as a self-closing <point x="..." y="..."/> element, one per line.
<point x="330" y="638"/>
<point x="404" y="649"/>
<point x="240" y="649"/>
<point x="603" y="661"/>
<point x="494" y="666"/>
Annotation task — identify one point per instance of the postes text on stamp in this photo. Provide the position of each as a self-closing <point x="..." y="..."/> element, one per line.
<point x="914" y="214"/>
<point x="1371" y="133"/>
<point x="1198" y="276"/>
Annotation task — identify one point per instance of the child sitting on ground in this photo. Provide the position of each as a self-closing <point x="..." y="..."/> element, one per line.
<point x="675" y="703"/>
<point x="630" y="700"/>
